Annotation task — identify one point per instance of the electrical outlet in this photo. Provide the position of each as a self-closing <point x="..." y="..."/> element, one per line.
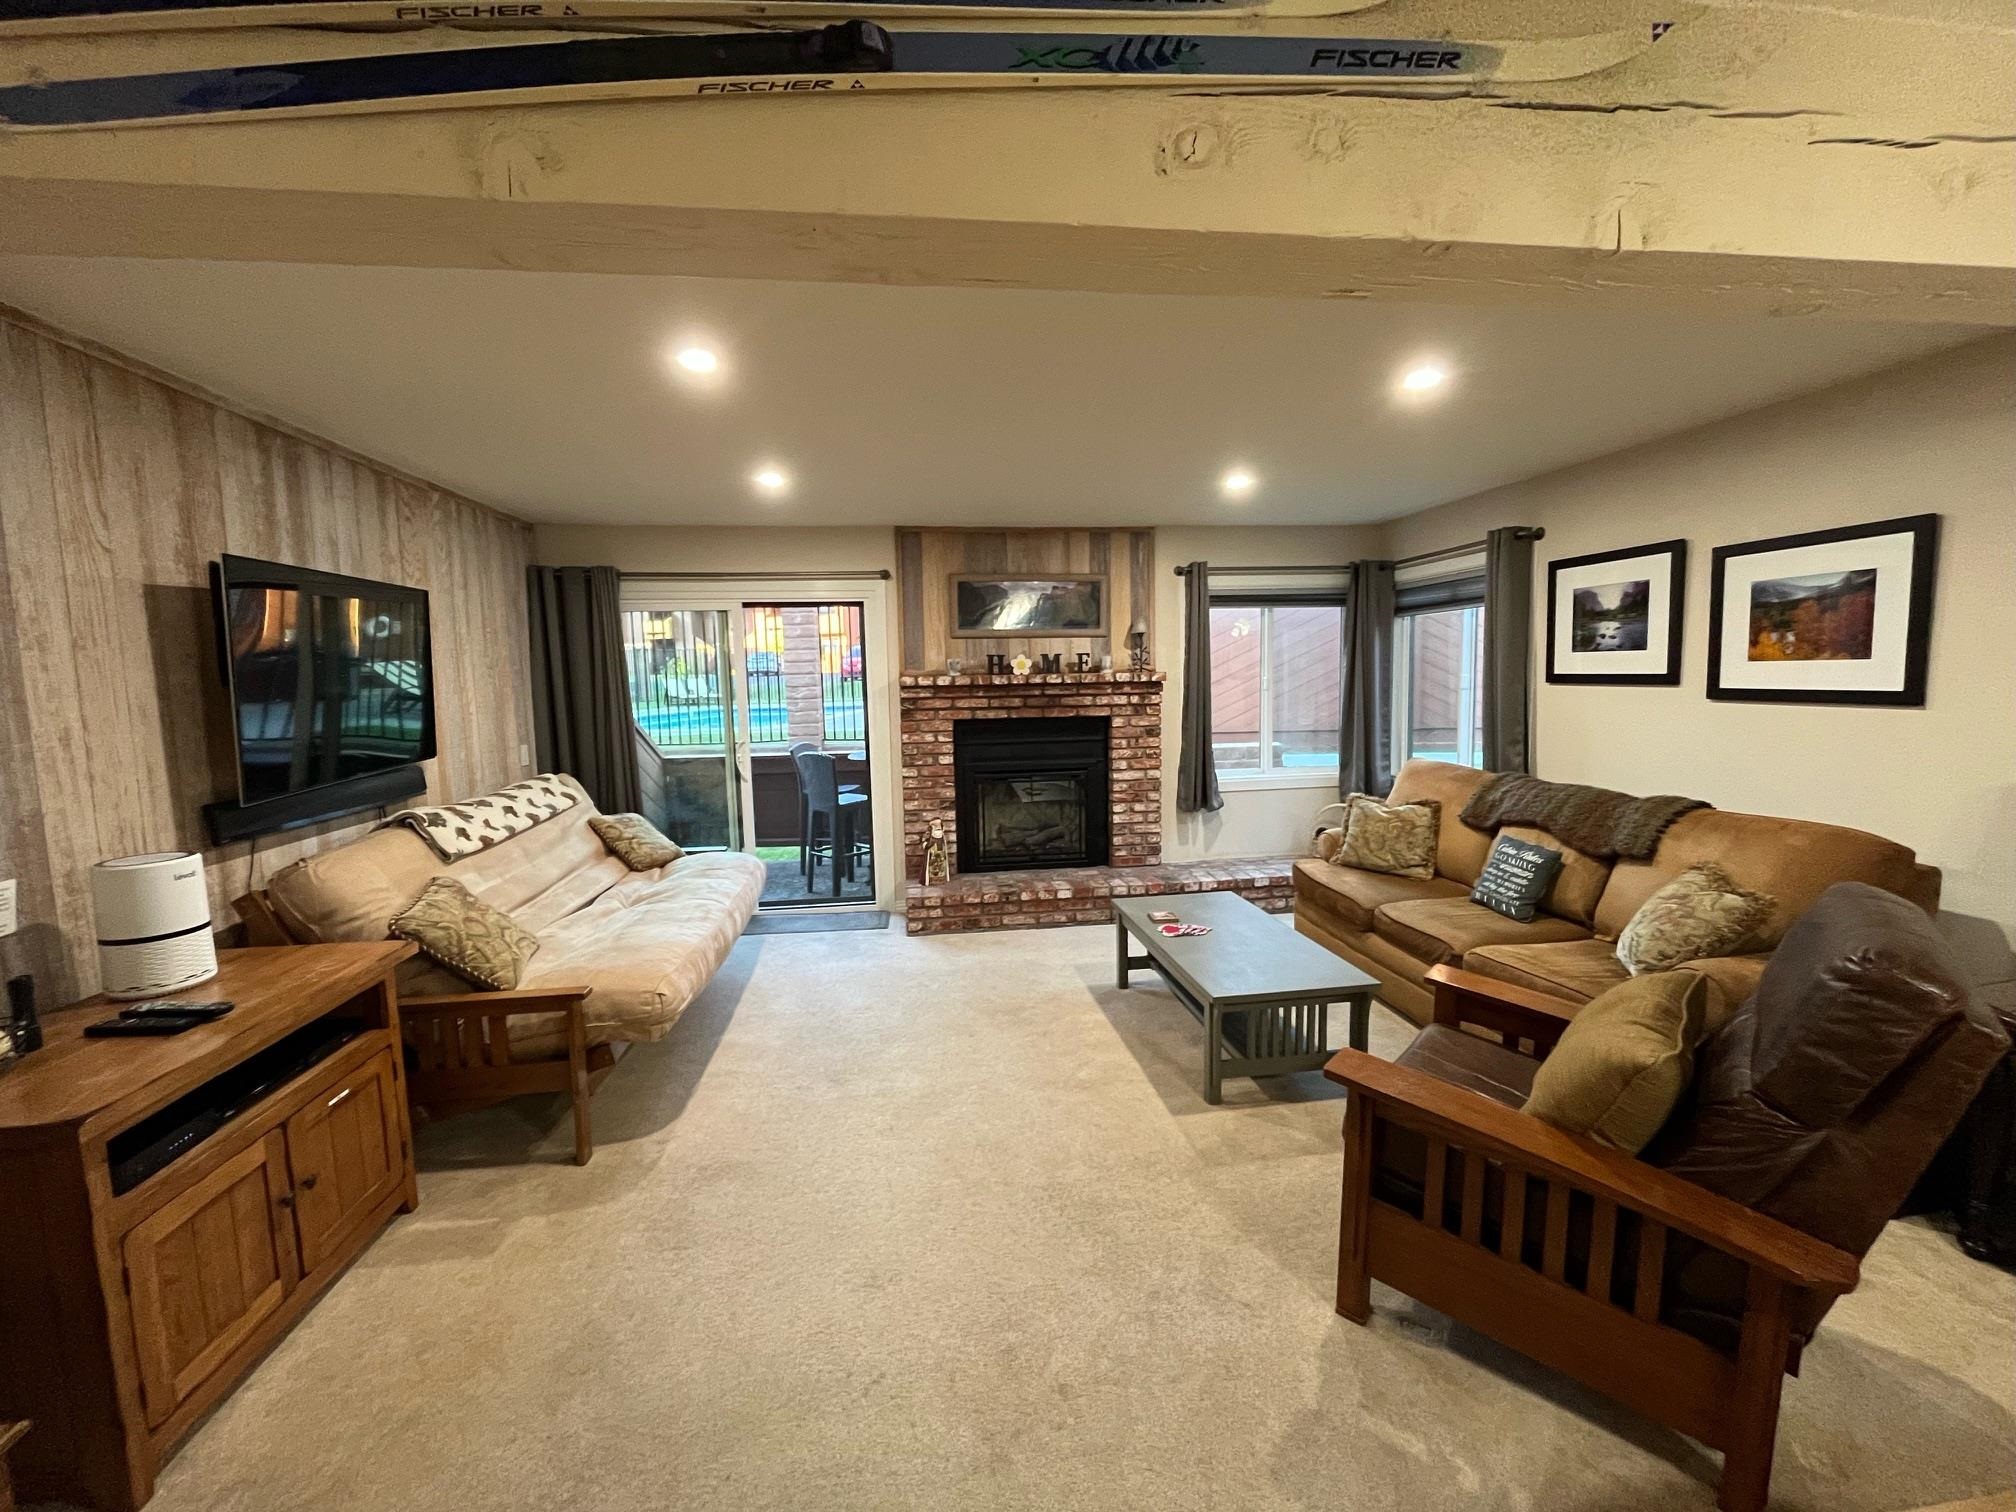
<point x="8" y="922"/>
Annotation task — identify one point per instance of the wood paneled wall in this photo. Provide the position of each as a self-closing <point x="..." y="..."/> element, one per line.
<point x="927" y="559"/>
<point x="118" y="488"/>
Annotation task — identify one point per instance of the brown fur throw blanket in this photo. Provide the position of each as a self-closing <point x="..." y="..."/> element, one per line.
<point x="1594" y="820"/>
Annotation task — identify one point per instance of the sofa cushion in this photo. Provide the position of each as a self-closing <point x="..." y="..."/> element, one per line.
<point x="635" y="841"/>
<point x="1578" y="886"/>
<point x="1396" y="838"/>
<point x="1459" y="849"/>
<point x="1621" y="1065"/>
<point x="1700" y="913"/>
<point x="1576" y="970"/>
<point x="1516" y="876"/>
<point x="1441" y="930"/>
<point x="452" y="925"/>
<point x="1792" y="860"/>
<point x="1350" y="897"/>
<point x="647" y="946"/>
<point x="1465" y="1060"/>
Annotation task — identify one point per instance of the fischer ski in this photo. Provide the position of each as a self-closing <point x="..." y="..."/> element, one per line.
<point x="97" y="17"/>
<point x="843" y="58"/>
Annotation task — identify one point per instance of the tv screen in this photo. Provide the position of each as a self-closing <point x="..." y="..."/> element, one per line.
<point x="331" y="677"/>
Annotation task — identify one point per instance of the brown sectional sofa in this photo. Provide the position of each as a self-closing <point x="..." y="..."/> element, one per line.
<point x="1398" y="927"/>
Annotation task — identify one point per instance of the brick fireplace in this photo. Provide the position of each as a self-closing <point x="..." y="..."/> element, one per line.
<point x="932" y="709"/>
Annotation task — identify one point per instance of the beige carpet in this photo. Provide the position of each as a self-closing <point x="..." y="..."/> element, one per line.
<point x="945" y="1223"/>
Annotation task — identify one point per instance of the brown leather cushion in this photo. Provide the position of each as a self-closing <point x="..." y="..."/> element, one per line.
<point x="1577" y="970"/>
<point x="1459" y="849"/>
<point x="1577" y="886"/>
<point x="1465" y="1060"/>
<point x="1350" y="896"/>
<point x="1792" y="860"/>
<point x="1441" y="930"/>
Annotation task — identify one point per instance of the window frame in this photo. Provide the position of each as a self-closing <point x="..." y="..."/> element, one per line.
<point x="1444" y="595"/>
<point x="1267" y="600"/>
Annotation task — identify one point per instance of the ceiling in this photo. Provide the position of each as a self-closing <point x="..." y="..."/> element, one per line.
<point x="551" y="394"/>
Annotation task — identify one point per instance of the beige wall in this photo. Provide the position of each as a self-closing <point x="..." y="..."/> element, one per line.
<point x="1937" y="435"/>
<point x="117" y="490"/>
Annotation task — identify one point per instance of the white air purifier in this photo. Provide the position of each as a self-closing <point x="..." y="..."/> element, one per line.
<point x="153" y="924"/>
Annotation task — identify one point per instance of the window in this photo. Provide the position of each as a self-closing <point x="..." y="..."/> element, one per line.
<point x="1276" y="689"/>
<point x="1439" y="684"/>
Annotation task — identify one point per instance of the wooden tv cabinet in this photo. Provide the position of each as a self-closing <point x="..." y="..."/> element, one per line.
<point x="131" y="1313"/>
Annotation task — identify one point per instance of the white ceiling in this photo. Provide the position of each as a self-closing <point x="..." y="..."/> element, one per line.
<point x="549" y="394"/>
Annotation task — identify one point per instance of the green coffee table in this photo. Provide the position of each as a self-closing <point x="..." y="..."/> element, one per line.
<point x="1262" y="991"/>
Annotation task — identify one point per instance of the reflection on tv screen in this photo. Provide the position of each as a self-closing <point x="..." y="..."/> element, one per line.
<point x="326" y="686"/>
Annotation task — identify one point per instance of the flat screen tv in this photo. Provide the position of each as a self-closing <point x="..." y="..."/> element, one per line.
<point x="331" y="688"/>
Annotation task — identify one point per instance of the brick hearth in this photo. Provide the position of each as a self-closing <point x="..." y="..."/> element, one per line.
<point x="930" y="705"/>
<point x="1083" y="895"/>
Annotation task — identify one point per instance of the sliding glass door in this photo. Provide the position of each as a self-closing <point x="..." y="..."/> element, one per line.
<point x="755" y="730"/>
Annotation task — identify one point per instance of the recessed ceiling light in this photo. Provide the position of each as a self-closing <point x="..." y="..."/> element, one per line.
<point x="772" y="480"/>
<point x="696" y="359"/>
<point x="1423" y="378"/>
<point x="1237" y="482"/>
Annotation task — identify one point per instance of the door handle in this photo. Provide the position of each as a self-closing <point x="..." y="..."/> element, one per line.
<point x="339" y="1097"/>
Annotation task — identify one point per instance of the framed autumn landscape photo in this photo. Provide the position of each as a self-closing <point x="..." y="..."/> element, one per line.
<point x="1615" y="616"/>
<point x="1831" y="616"/>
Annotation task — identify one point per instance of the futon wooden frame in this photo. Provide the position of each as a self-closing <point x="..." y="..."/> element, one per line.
<point x="1565" y="1315"/>
<point x="458" y="1045"/>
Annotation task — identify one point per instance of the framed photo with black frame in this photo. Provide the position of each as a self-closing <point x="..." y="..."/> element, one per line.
<point x="1615" y="616"/>
<point x="1829" y="616"/>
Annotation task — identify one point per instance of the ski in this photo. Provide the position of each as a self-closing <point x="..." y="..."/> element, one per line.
<point x="93" y="17"/>
<point x="843" y="58"/>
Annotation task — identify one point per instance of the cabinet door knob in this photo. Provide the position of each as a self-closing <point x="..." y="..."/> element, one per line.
<point x="286" y="1199"/>
<point x="308" y="1182"/>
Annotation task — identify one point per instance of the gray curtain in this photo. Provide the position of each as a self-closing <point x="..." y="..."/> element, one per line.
<point x="1365" y="743"/>
<point x="1196" y="770"/>
<point x="1508" y="637"/>
<point x="581" y="717"/>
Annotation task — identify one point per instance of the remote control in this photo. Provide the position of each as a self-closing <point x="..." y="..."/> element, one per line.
<point x="153" y="1023"/>
<point x="167" y="1008"/>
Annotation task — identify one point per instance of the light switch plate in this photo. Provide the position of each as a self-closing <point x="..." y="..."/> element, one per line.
<point x="8" y="922"/>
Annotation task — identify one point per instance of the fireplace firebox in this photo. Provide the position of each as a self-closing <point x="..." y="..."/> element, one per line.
<point x="1031" y="792"/>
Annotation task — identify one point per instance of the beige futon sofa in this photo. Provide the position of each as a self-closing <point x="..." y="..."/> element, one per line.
<point x="621" y="953"/>
<point x="1398" y="927"/>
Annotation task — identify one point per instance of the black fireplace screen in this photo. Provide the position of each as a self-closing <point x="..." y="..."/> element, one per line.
<point x="1031" y="792"/>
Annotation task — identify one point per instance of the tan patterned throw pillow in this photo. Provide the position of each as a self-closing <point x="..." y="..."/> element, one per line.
<point x="1389" y="837"/>
<point x="1701" y="912"/>
<point x="633" y="840"/>
<point x="452" y="925"/>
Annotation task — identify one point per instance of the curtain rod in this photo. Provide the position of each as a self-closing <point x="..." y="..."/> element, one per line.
<point x="882" y="573"/>
<point x="1525" y="533"/>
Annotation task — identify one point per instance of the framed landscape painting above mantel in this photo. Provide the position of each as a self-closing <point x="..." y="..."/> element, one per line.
<point x="1830" y="616"/>
<point x="988" y="606"/>
<point x="1615" y="616"/>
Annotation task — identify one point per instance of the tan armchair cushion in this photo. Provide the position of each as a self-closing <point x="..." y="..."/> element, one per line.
<point x="1623" y="1062"/>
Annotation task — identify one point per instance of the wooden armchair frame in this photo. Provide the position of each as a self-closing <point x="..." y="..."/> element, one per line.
<point x="459" y="1044"/>
<point x="1575" y="1325"/>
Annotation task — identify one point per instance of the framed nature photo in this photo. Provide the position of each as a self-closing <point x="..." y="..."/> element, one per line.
<point x="1831" y="616"/>
<point x="1614" y="616"/>
<point x="995" y="606"/>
